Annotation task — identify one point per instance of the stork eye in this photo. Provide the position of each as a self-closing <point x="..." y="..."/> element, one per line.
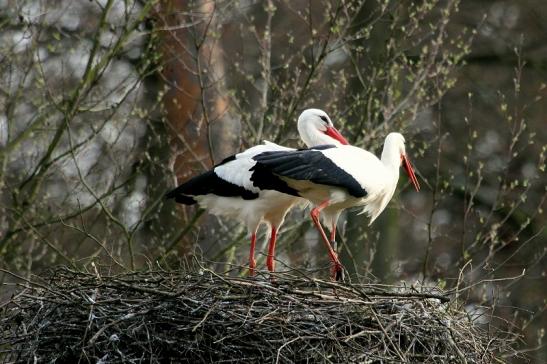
<point x="324" y="118"/>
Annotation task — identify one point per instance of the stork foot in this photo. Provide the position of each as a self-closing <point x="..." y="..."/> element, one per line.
<point x="340" y="275"/>
<point x="337" y="272"/>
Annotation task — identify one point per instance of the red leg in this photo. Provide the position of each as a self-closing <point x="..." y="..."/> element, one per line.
<point x="271" y="250"/>
<point x="252" y="262"/>
<point x="333" y="232"/>
<point x="333" y="238"/>
<point x="337" y="266"/>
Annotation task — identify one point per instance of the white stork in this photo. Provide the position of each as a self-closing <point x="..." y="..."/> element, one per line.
<point x="336" y="178"/>
<point x="227" y="189"/>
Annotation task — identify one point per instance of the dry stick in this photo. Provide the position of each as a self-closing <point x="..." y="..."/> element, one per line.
<point x="373" y="310"/>
<point x="316" y="60"/>
<point x="200" y="75"/>
<point x="72" y="106"/>
<point x="48" y="243"/>
<point x="92" y="300"/>
<point x="482" y="281"/>
<point x="204" y="317"/>
<point x="453" y="343"/>
<point x="93" y="71"/>
<point x="188" y="147"/>
<point x="94" y="238"/>
<point x="28" y="281"/>
<point x="362" y="333"/>
<point x="435" y="200"/>
<point x="70" y="215"/>
<point x="104" y="208"/>
<point x="285" y="344"/>
<point x="265" y="62"/>
<point x="236" y="241"/>
<point x="182" y="233"/>
<point x="286" y="308"/>
<point x="397" y="350"/>
<point x="123" y="318"/>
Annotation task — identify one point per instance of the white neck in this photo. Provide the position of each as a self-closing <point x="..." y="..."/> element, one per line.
<point x="311" y="136"/>
<point x="391" y="160"/>
<point x="391" y="157"/>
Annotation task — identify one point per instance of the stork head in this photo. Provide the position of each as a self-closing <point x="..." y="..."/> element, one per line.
<point x="316" y="128"/>
<point x="395" y="146"/>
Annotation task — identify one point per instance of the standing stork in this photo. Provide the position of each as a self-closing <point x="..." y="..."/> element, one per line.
<point x="335" y="178"/>
<point x="227" y="189"/>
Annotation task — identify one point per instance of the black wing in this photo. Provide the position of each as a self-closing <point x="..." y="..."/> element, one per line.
<point x="208" y="183"/>
<point x="308" y="165"/>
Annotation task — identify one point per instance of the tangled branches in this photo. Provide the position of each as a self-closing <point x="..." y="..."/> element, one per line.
<point x="201" y="317"/>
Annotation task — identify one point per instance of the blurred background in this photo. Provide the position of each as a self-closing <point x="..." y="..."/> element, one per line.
<point x="105" y="105"/>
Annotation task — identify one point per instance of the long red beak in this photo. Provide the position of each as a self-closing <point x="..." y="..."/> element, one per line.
<point x="410" y="171"/>
<point x="335" y="134"/>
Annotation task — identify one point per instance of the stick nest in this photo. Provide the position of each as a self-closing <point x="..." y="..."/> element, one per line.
<point x="199" y="316"/>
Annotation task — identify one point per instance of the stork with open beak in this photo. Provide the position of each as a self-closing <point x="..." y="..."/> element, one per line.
<point x="334" y="178"/>
<point x="227" y="189"/>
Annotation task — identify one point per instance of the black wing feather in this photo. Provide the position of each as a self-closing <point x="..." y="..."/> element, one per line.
<point x="208" y="183"/>
<point x="308" y="164"/>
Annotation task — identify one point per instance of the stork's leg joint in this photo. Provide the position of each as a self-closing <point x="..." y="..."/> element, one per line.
<point x="334" y="245"/>
<point x="270" y="262"/>
<point x="336" y="270"/>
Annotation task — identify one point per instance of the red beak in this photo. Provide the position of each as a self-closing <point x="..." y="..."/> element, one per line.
<point x="335" y="134"/>
<point x="408" y="167"/>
